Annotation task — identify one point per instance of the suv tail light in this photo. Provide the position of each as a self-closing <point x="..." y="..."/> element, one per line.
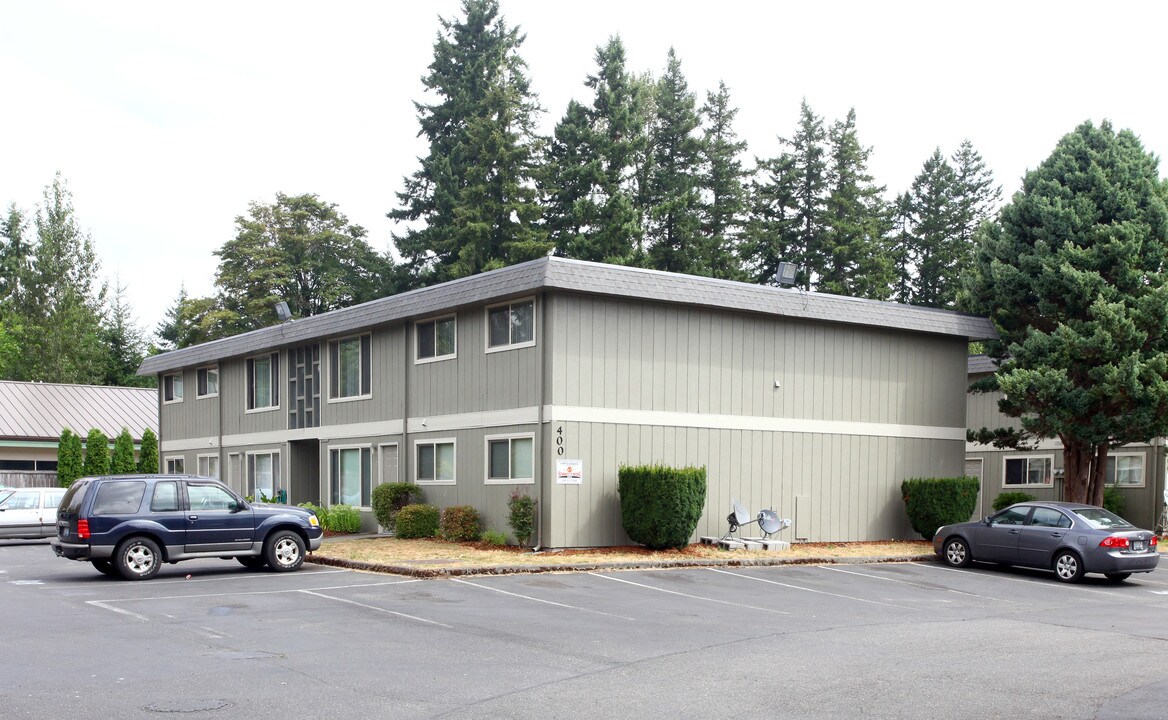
<point x="1114" y="541"/>
<point x="83" y="529"/>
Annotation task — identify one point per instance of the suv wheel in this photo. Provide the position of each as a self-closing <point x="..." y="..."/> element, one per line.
<point x="105" y="567"/>
<point x="284" y="551"/>
<point x="251" y="561"/>
<point x="138" y="558"/>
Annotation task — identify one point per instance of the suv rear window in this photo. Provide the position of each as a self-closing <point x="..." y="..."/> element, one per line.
<point x="74" y="496"/>
<point x="119" y="498"/>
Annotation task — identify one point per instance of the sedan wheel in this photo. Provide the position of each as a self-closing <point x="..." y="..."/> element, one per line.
<point x="957" y="552"/>
<point x="1068" y="567"/>
<point x="284" y="551"/>
<point x="138" y="558"/>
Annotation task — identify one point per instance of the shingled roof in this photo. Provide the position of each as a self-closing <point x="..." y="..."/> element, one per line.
<point x="40" y="411"/>
<point x="562" y="274"/>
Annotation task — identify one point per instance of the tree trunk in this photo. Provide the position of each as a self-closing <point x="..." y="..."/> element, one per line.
<point x="1077" y="456"/>
<point x="1098" y="475"/>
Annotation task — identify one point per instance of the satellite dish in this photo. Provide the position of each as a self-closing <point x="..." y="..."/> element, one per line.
<point x="770" y="522"/>
<point x="741" y="515"/>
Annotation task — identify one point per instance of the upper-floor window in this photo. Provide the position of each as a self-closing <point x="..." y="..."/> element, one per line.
<point x="511" y="325"/>
<point x="263" y="386"/>
<point x="435" y="339"/>
<point x="207" y="382"/>
<point x="172" y="388"/>
<point x="350" y="367"/>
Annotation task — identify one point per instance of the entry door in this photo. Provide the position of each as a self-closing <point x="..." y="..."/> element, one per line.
<point x="973" y="468"/>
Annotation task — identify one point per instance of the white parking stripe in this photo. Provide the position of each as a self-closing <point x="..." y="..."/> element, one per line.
<point x="120" y="611"/>
<point x="538" y="600"/>
<point x="256" y="592"/>
<point x="221" y="578"/>
<point x="806" y="589"/>
<point x="1032" y="583"/>
<point x="907" y="582"/>
<point x="372" y="607"/>
<point x="687" y="595"/>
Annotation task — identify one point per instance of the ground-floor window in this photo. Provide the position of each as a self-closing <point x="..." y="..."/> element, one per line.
<point x="263" y="474"/>
<point x="510" y="459"/>
<point x="1125" y="469"/>
<point x="209" y="466"/>
<point x="351" y="476"/>
<point x="435" y="461"/>
<point x="175" y="465"/>
<point x="1036" y="470"/>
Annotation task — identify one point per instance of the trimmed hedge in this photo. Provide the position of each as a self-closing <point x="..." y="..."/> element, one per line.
<point x="390" y="498"/>
<point x="933" y="502"/>
<point x="417" y="521"/>
<point x="1007" y="499"/>
<point x="97" y="454"/>
<point x="461" y="523"/>
<point x="661" y="506"/>
<point x="69" y="458"/>
<point x="122" y="462"/>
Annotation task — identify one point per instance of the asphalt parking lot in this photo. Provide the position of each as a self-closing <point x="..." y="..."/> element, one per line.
<point x="903" y="640"/>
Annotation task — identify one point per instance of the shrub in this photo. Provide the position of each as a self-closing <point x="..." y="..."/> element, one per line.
<point x="661" y="506"/>
<point x="390" y="498"/>
<point x="1114" y="500"/>
<point x="148" y="456"/>
<point x="68" y="458"/>
<point x="321" y="512"/>
<point x="1007" y="499"/>
<point x="494" y="537"/>
<point x="417" y="521"/>
<point x="343" y="519"/>
<point x="97" y="454"/>
<point x="461" y="523"/>
<point x="933" y="502"/>
<point x="521" y="516"/>
<point x="123" y="459"/>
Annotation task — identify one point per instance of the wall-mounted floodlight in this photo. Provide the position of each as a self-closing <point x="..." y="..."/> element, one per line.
<point x="283" y="312"/>
<point x="786" y="274"/>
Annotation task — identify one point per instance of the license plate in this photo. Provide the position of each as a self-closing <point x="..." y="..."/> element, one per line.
<point x="1140" y="545"/>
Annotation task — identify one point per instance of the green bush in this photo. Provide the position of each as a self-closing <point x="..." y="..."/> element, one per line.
<point x="97" y="454"/>
<point x="417" y="521"/>
<point x="343" y="519"/>
<point x="68" y="458"/>
<point x="461" y="523"/>
<point x="123" y="458"/>
<point x="1114" y="500"/>
<point x="390" y="498"/>
<point x="933" y="502"/>
<point x="521" y="516"/>
<point x="321" y="512"/>
<point x="494" y="537"/>
<point x="661" y="506"/>
<point x="1007" y="499"/>
<point x="148" y="456"/>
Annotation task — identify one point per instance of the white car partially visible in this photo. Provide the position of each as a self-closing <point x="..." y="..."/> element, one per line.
<point x="29" y="512"/>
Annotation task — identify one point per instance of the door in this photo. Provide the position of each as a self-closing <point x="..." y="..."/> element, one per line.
<point x="998" y="540"/>
<point x="215" y="521"/>
<point x="388" y="463"/>
<point x="20" y="514"/>
<point x="1038" y="539"/>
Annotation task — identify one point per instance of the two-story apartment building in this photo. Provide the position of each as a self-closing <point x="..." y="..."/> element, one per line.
<point x="549" y="375"/>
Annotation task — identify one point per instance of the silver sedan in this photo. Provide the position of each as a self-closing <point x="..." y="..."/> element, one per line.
<point x="1068" y="538"/>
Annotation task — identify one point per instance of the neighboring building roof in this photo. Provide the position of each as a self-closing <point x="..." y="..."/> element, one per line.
<point x="981" y="364"/>
<point x="553" y="273"/>
<point x="40" y="411"/>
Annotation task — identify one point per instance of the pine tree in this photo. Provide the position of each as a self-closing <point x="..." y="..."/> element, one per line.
<point x="772" y="230"/>
<point x="122" y="462"/>
<point x="97" y="454"/>
<point x="674" y="229"/>
<point x="15" y="258"/>
<point x="148" y="455"/>
<point x="856" y="259"/>
<point x="809" y="165"/>
<point x="933" y="244"/>
<point x="124" y="343"/>
<point x="976" y="198"/>
<point x="69" y="458"/>
<point x="474" y="193"/>
<point x="568" y="180"/>
<point x="723" y="183"/>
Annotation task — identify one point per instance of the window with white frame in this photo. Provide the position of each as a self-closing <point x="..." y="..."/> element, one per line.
<point x="350" y="367"/>
<point x="1125" y="469"/>
<point x="172" y="388"/>
<point x="435" y="461"/>
<point x="1035" y="470"/>
<point x="351" y="476"/>
<point x="263" y="475"/>
<point x="175" y="465"/>
<point x="263" y="386"/>
<point x="511" y="325"/>
<point x="209" y="466"/>
<point x="510" y="458"/>
<point x="207" y="382"/>
<point x="435" y="339"/>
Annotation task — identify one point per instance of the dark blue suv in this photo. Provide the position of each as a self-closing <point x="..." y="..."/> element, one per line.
<point x="129" y="525"/>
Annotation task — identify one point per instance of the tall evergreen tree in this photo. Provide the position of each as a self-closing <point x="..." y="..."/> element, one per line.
<point x="568" y="178"/>
<point x="148" y="455"/>
<point x="772" y="230"/>
<point x="15" y="258"/>
<point x="856" y="259"/>
<point x="932" y="243"/>
<point x="122" y="461"/>
<point x="674" y="230"/>
<point x="97" y="454"/>
<point x="975" y="195"/>
<point x="69" y="458"/>
<point x="124" y="343"/>
<point x="809" y="162"/>
<point x="723" y="184"/>
<point x="474" y="195"/>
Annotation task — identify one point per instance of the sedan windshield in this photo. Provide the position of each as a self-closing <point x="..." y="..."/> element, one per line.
<point x="1101" y="519"/>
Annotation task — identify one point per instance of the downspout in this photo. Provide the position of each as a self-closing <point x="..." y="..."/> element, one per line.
<point x="403" y="452"/>
<point x="544" y="350"/>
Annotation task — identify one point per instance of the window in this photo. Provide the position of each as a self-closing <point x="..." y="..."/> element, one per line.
<point x="510" y="326"/>
<point x="263" y="388"/>
<point x="509" y="459"/>
<point x="350" y="367"/>
<point x="1012" y="516"/>
<point x="263" y="475"/>
<point x="304" y="387"/>
<point x="1049" y="517"/>
<point x="209" y="466"/>
<point x="175" y="465"/>
<point x="207" y="382"/>
<point x="436" y="339"/>
<point x="1125" y="470"/>
<point x="209" y="497"/>
<point x="119" y="498"/>
<point x="351" y="476"/>
<point x="1029" y="470"/>
<point x="172" y="388"/>
<point x="165" y="497"/>
<point x="436" y="461"/>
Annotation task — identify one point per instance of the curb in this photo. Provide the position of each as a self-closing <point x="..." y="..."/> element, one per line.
<point x="592" y="567"/>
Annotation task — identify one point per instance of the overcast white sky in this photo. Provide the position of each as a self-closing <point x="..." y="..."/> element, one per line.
<point x="167" y="119"/>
